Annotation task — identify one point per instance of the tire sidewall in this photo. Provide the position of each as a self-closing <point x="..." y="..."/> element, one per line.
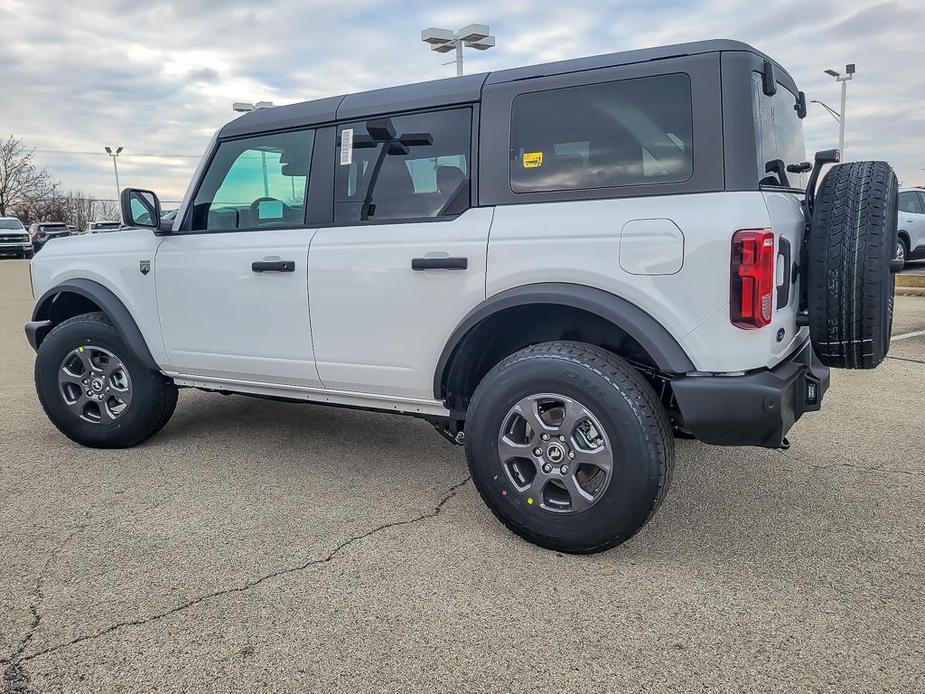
<point x="86" y="332"/>
<point x="634" y="484"/>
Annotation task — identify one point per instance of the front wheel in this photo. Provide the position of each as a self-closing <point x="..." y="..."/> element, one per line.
<point x="95" y="390"/>
<point x="569" y="446"/>
<point x="901" y="250"/>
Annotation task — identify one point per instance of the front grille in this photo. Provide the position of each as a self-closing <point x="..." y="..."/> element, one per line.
<point x="14" y="238"/>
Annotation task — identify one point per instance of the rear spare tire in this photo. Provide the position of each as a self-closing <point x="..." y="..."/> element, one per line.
<point x="849" y="286"/>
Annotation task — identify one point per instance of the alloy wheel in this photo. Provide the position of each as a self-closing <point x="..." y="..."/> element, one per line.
<point x="555" y="453"/>
<point x="95" y="384"/>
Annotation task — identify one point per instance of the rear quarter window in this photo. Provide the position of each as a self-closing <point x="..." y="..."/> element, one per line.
<point x="620" y="133"/>
<point x="778" y="131"/>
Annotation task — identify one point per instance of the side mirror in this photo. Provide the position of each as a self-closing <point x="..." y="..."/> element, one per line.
<point x="140" y="208"/>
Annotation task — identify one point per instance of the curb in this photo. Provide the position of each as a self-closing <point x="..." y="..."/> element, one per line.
<point x="915" y="281"/>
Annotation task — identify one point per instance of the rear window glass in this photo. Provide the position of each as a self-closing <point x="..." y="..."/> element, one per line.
<point x="601" y="135"/>
<point x="778" y="131"/>
<point x="404" y="167"/>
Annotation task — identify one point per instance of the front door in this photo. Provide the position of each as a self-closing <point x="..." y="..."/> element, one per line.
<point x="232" y="285"/>
<point x="405" y="260"/>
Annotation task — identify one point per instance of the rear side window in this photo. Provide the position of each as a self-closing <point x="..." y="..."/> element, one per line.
<point x="403" y="167"/>
<point x="254" y="183"/>
<point x="778" y="132"/>
<point x="911" y="201"/>
<point x="622" y="133"/>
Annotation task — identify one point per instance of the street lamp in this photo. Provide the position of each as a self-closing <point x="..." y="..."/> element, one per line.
<point x="115" y="167"/>
<point x="475" y="36"/>
<point x="849" y="74"/>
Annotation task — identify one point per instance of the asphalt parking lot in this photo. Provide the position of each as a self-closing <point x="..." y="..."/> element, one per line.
<point x="255" y="545"/>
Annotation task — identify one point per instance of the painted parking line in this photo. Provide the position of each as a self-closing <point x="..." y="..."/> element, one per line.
<point x="907" y="335"/>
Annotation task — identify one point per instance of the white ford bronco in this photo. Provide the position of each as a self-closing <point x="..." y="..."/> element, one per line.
<point x="561" y="267"/>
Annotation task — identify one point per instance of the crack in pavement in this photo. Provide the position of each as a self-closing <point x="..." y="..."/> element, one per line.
<point x="15" y="678"/>
<point x="864" y="468"/>
<point x="432" y="513"/>
<point x="913" y="361"/>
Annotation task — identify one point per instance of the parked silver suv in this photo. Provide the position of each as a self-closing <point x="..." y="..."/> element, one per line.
<point x="910" y="241"/>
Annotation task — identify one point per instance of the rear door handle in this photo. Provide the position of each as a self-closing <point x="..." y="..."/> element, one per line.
<point x="439" y="263"/>
<point x="273" y="266"/>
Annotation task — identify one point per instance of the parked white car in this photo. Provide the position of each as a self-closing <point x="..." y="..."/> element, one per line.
<point x="14" y="239"/>
<point x="910" y="242"/>
<point x="556" y="265"/>
<point x="103" y="226"/>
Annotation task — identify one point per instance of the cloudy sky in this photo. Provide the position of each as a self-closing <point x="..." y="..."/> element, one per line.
<point x="159" y="77"/>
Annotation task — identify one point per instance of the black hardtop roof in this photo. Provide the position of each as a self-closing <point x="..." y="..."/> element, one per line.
<point x="457" y="90"/>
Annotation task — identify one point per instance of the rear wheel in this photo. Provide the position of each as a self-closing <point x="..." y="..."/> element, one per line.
<point x="95" y="390"/>
<point x="569" y="446"/>
<point x="852" y="241"/>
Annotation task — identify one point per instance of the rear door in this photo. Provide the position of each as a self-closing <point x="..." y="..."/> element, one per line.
<point x="779" y="138"/>
<point x="405" y="260"/>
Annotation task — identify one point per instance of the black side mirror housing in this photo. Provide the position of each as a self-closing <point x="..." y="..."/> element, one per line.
<point x="140" y="208"/>
<point x="800" y="106"/>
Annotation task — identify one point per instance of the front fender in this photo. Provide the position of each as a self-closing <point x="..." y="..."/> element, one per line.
<point x="107" y="302"/>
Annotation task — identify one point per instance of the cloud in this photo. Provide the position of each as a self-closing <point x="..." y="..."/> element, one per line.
<point x="159" y="77"/>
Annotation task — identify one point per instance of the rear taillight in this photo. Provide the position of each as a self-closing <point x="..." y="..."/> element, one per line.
<point x="751" y="300"/>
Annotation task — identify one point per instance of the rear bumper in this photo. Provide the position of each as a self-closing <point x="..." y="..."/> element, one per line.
<point x="756" y="409"/>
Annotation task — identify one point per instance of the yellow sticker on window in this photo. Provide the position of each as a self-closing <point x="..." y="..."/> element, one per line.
<point x="532" y="160"/>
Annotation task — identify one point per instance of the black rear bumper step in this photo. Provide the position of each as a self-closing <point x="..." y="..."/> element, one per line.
<point x="756" y="409"/>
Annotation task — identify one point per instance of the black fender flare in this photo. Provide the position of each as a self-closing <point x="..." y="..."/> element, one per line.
<point x="664" y="349"/>
<point x="109" y="304"/>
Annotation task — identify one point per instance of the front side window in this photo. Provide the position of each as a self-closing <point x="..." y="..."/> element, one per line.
<point x="403" y="167"/>
<point x="254" y="183"/>
<point x="778" y="132"/>
<point x="911" y="202"/>
<point x="623" y="133"/>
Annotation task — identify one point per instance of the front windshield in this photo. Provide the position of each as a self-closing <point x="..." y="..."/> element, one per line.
<point x="11" y="224"/>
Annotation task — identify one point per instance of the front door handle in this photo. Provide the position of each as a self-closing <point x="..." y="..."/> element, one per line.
<point x="273" y="266"/>
<point x="439" y="263"/>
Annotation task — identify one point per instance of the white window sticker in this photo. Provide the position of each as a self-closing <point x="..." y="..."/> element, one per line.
<point x="346" y="147"/>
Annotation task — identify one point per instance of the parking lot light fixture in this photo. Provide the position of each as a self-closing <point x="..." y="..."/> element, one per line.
<point x="477" y="36"/>
<point x="843" y="79"/>
<point x="244" y="106"/>
<point x="115" y="167"/>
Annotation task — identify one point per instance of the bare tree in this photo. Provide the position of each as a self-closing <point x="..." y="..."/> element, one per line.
<point x="20" y="179"/>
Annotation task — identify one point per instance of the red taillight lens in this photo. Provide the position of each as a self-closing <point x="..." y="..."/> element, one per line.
<point x="751" y="300"/>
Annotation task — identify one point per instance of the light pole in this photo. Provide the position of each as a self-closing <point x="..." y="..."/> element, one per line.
<point x="115" y="167"/>
<point x="849" y="74"/>
<point x="475" y="36"/>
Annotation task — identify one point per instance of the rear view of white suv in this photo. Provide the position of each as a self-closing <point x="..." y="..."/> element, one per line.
<point x="558" y="266"/>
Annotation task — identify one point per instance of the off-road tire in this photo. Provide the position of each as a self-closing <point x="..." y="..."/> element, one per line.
<point x="632" y="416"/>
<point x="154" y="396"/>
<point x="852" y="241"/>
